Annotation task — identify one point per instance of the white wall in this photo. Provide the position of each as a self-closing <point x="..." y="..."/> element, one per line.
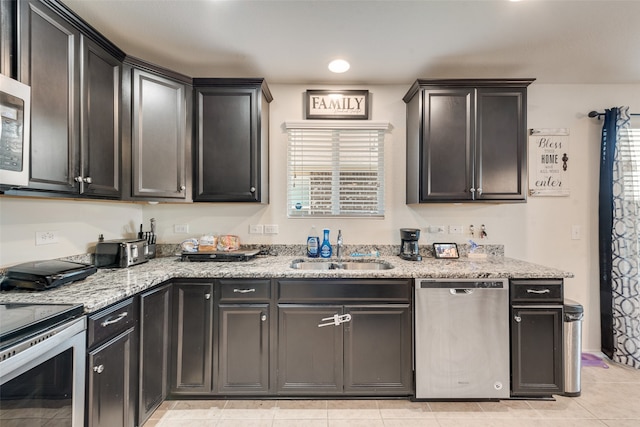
<point x="537" y="231"/>
<point x="77" y="224"/>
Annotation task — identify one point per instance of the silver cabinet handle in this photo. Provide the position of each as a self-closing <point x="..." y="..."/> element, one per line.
<point x="243" y="291"/>
<point x="263" y="317"/>
<point x="473" y="190"/>
<point x="518" y="319"/>
<point x="182" y="188"/>
<point x="252" y="189"/>
<point x="87" y="180"/>
<point x="98" y="369"/>
<point x="335" y="320"/>
<point x="479" y="190"/>
<point x="207" y="296"/>
<point x="115" y="320"/>
<point x="77" y="179"/>
<point x="538" y="291"/>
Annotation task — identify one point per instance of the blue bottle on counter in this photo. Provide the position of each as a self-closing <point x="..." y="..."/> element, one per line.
<point x="325" y="247"/>
<point x="313" y="243"/>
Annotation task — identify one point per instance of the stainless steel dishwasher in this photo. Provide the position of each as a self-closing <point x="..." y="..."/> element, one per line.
<point x="462" y="339"/>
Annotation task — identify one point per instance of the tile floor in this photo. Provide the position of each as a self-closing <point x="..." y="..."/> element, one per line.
<point x="610" y="397"/>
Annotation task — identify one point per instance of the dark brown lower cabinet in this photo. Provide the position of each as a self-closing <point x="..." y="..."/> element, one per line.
<point x="368" y="354"/>
<point x="155" y="316"/>
<point x="536" y="351"/>
<point x="536" y="337"/>
<point x="309" y="357"/>
<point x="192" y="338"/>
<point x="110" y="379"/>
<point x="112" y="366"/>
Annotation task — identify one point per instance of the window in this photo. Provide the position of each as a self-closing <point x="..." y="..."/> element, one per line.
<point x="629" y="151"/>
<point x="335" y="169"/>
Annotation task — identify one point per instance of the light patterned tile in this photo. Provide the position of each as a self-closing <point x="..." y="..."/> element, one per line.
<point x="622" y="423"/>
<point x="355" y="423"/>
<point x="410" y="422"/>
<point x="457" y="410"/>
<point x="404" y="409"/>
<point x="508" y="409"/>
<point x="353" y="409"/>
<point x="300" y="423"/>
<point x="185" y="422"/>
<point x="611" y="400"/>
<point x="563" y="407"/>
<point x="245" y="423"/>
<point x="301" y="409"/>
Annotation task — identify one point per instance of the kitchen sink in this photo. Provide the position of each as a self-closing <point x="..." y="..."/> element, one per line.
<point x="301" y="264"/>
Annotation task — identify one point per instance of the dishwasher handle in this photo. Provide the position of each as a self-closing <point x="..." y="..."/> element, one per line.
<point x="454" y="291"/>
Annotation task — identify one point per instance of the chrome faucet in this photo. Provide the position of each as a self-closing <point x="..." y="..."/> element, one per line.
<point x="339" y="247"/>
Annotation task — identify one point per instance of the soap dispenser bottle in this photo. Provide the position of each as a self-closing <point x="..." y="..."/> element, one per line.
<point x="325" y="247"/>
<point x="313" y="243"/>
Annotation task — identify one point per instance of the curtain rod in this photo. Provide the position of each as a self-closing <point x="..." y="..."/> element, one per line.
<point x="596" y="114"/>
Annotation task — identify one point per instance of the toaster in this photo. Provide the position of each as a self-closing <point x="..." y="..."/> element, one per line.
<point x="121" y="253"/>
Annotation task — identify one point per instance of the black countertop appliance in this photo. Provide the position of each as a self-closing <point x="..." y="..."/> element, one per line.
<point x="409" y="248"/>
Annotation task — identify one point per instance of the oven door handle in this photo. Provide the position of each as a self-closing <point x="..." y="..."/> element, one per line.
<point x="114" y="320"/>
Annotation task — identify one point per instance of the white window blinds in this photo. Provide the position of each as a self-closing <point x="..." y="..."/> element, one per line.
<point x="335" y="170"/>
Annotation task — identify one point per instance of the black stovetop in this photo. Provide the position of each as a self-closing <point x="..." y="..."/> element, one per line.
<point x="20" y="321"/>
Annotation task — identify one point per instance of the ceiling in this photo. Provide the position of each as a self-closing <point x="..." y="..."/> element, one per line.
<point x="386" y="41"/>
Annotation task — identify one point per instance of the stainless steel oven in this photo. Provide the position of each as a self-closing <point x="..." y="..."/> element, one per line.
<point x="42" y="364"/>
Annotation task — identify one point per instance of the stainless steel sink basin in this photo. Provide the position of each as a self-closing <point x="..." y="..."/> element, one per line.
<point x="301" y="264"/>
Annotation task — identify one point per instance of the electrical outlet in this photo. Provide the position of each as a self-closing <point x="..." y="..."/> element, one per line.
<point x="46" y="237"/>
<point x="180" y="228"/>
<point x="575" y="232"/>
<point x="271" y="229"/>
<point x="436" y="229"/>
<point x="256" y="229"/>
<point x="455" y="229"/>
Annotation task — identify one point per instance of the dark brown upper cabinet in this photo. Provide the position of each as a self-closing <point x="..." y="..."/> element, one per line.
<point x="466" y="140"/>
<point x="74" y="76"/>
<point x="157" y="140"/>
<point x="231" y="140"/>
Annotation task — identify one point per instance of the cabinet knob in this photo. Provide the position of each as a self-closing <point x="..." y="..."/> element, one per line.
<point x="473" y="190"/>
<point x="182" y="188"/>
<point x="518" y="319"/>
<point x="78" y="179"/>
<point x="87" y="180"/>
<point x="263" y="317"/>
<point x="252" y="189"/>
<point x="479" y="190"/>
<point x="98" y="369"/>
<point x="207" y="296"/>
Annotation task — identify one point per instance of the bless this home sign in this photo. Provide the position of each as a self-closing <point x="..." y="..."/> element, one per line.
<point x="549" y="162"/>
<point x="337" y="104"/>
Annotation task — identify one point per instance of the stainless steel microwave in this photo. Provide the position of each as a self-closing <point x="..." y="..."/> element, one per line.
<point x="15" y="112"/>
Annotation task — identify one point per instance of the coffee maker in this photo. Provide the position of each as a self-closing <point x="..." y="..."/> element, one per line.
<point x="409" y="249"/>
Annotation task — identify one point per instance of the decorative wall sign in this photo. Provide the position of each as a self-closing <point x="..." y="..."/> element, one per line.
<point x="549" y="162"/>
<point x="337" y="104"/>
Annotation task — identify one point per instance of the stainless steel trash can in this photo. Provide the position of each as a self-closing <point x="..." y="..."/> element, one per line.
<point x="573" y="314"/>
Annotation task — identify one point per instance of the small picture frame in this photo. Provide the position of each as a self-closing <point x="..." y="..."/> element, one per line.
<point x="445" y="250"/>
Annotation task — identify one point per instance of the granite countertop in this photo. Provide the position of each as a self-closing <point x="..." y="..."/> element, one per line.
<point x="108" y="286"/>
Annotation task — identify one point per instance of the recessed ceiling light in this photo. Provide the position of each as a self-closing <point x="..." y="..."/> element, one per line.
<point x="339" y="66"/>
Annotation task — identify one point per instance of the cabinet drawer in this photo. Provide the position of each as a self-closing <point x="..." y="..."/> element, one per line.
<point x="344" y="290"/>
<point x="538" y="291"/>
<point x="110" y="322"/>
<point x="244" y="290"/>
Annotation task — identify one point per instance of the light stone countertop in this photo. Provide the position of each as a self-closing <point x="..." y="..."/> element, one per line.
<point x="108" y="286"/>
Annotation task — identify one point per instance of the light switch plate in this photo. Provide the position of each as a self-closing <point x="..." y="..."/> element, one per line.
<point x="256" y="229"/>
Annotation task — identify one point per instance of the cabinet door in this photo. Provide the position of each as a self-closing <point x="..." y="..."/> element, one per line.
<point x="49" y="49"/>
<point x="309" y="357"/>
<point x="111" y="372"/>
<point x="155" y="311"/>
<point x="243" y="349"/>
<point x="227" y="145"/>
<point x="192" y="338"/>
<point x="159" y="137"/>
<point x="536" y="351"/>
<point x="500" y="144"/>
<point x="447" y="150"/>
<point x="377" y="350"/>
<point x="100" y="119"/>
